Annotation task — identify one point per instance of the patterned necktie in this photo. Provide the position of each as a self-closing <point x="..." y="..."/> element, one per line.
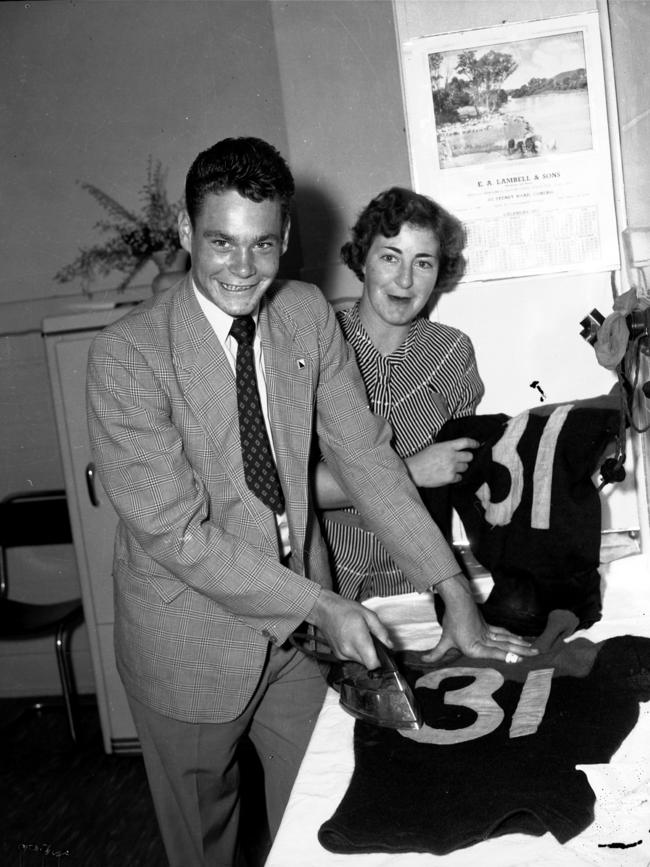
<point x="259" y="467"/>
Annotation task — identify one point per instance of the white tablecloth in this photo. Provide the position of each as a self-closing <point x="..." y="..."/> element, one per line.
<point x="622" y="787"/>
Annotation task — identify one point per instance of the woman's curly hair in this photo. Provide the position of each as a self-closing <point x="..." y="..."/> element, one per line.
<point x="388" y="212"/>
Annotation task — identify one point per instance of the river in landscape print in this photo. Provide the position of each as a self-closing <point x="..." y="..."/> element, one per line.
<point x="560" y="122"/>
<point x="562" y="118"/>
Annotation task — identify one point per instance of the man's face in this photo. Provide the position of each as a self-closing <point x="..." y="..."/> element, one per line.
<point x="235" y="246"/>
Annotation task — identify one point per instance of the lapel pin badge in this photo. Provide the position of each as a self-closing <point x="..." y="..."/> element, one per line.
<point x="300" y="363"/>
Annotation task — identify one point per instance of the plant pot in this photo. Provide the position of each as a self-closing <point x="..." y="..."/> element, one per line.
<point x="169" y="272"/>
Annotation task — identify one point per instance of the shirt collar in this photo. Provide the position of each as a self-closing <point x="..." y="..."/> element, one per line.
<point x="352" y="318"/>
<point x="218" y="319"/>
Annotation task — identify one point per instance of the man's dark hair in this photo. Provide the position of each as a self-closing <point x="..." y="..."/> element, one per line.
<point x="388" y="212"/>
<point x="249" y="165"/>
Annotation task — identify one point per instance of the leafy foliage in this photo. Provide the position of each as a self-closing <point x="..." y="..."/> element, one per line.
<point x="573" y="79"/>
<point x="133" y="237"/>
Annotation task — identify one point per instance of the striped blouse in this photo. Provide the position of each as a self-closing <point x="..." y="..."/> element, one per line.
<point x="430" y="378"/>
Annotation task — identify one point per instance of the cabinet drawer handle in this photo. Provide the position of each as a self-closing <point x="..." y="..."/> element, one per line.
<point x="90" y="484"/>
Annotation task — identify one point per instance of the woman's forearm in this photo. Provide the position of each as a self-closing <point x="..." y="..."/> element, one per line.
<point x="327" y="491"/>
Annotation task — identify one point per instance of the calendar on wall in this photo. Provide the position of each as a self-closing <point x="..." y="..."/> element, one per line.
<point x="508" y="129"/>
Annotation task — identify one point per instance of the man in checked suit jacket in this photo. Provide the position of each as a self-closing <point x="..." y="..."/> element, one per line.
<point x="209" y="582"/>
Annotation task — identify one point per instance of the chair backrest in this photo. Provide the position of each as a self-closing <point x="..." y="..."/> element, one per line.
<point x="29" y="519"/>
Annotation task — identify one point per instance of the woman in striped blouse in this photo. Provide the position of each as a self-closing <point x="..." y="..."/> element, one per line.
<point x="406" y="250"/>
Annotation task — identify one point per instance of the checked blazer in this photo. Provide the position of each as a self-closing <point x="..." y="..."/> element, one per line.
<point x="199" y="588"/>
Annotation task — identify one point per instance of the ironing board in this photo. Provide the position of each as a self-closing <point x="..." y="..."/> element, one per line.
<point x="622" y="787"/>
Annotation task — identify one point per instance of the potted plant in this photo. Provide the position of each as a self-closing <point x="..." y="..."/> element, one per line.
<point x="133" y="239"/>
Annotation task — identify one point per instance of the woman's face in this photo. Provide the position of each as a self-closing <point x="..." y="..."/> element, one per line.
<point x="400" y="275"/>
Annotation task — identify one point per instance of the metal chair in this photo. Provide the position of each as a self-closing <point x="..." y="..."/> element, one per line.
<point x="26" y="520"/>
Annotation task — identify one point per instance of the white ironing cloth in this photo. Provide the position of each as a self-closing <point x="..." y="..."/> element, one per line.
<point x="622" y="787"/>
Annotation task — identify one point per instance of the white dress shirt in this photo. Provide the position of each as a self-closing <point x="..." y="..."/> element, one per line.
<point x="221" y="323"/>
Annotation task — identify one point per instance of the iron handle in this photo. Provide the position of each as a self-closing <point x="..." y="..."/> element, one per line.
<point x="311" y="644"/>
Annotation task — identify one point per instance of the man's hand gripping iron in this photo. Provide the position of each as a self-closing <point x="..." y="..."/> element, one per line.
<point x="380" y="696"/>
<point x="363" y="669"/>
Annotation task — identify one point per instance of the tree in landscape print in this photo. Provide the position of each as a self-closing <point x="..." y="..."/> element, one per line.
<point x="510" y="100"/>
<point x="484" y="76"/>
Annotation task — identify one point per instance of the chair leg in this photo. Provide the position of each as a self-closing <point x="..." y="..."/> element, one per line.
<point x="62" y="646"/>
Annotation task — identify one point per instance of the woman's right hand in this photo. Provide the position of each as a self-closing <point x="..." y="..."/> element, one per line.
<point x="441" y="463"/>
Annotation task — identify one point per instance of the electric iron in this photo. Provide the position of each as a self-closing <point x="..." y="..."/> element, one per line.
<point x="380" y="697"/>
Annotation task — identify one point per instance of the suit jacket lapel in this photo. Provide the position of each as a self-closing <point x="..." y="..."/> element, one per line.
<point x="289" y="385"/>
<point x="289" y="380"/>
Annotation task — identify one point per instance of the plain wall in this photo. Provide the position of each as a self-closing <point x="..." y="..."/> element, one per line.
<point x="339" y="73"/>
<point x="630" y="32"/>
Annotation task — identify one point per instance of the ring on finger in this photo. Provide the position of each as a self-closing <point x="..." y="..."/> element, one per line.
<point x="511" y="657"/>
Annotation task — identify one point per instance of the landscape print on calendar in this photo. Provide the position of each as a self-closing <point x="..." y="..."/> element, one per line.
<point x="511" y="101"/>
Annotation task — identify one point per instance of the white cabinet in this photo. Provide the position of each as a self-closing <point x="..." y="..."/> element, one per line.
<point x="67" y="341"/>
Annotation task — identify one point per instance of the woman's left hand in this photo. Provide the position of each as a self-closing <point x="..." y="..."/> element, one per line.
<point x="441" y="463"/>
